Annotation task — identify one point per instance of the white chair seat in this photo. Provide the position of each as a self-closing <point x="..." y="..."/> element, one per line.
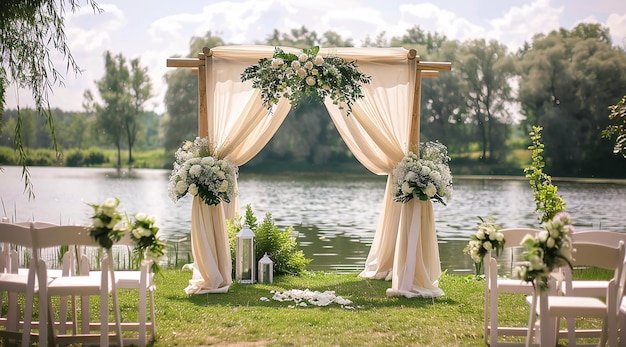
<point x="577" y="306"/>
<point x="76" y="285"/>
<point x="52" y="273"/>
<point x="15" y="282"/>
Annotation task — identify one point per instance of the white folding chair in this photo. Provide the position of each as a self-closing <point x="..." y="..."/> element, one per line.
<point x="591" y="287"/>
<point x="28" y="284"/>
<point x="103" y="287"/>
<point x="142" y="281"/>
<point x="551" y="308"/>
<point x="496" y="285"/>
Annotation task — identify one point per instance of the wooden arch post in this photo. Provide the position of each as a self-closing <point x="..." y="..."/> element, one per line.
<point x="422" y="69"/>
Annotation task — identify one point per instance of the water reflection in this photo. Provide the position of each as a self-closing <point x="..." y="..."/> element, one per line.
<point x="334" y="218"/>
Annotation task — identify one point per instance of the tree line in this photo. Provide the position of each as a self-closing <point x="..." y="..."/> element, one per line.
<point x="482" y="110"/>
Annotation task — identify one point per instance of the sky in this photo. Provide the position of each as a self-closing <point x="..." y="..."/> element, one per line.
<point x="154" y="30"/>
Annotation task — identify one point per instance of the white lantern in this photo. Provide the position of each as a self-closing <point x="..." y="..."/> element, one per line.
<point x="244" y="256"/>
<point x="266" y="270"/>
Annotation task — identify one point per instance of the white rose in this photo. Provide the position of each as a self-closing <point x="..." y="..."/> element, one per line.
<point x="480" y="234"/>
<point x="499" y="237"/>
<point x="187" y="145"/>
<point x="145" y="232"/>
<point x="223" y="187"/>
<point x="318" y="60"/>
<point x="550" y="242"/>
<point x="97" y="223"/>
<point x="141" y="216"/>
<point x="136" y="234"/>
<point x="302" y="73"/>
<point x="308" y="65"/>
<point x="151" y="219"/>
<point x="543" y="236"/>
<point x="193" y="189"/>
<point x="310" y="80"/>
<point x="295" y="65"/>
<point x="276" y="63"/>
<point x="110" y="203"/>
<point x="430" y="190"/>
<point x="221" y="175"/>
<point x="406" y="188"/>
<point x="492" y="236"/>
<point x="487" y="245"/>
<point x="181" y="187"/>
<point x="195" y="171"/>
<point x="303" y="57"/>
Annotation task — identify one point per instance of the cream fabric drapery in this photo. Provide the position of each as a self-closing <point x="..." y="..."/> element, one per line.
<point x="405" y="247"/>
<point x="377" y="133"/>
<point x="239" y="126"/>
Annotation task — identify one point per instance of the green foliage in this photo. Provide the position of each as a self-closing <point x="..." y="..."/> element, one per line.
<point x="279" y="245"/>
<point x="92" y="157"/>
<point x="548" y="202"/>
<point x="27" y="27"/>
<point x="617" y="114"/>
<point x="306" y="74"/>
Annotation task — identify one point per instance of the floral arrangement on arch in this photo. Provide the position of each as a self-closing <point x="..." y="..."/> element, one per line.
<point x="143" y="232"/>
<point x="547" y="251"/>
<point x="487" y="238"/>
<point x="296" y="76"/>
<point x="426" y="176"/>
<point x="197" y="172"/>
<point x="106" y="226"/>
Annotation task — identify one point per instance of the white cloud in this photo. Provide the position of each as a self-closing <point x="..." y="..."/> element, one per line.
<point x="520" y="23"/>
<point x="432" y="18"/>
<point x="617" y="26"/>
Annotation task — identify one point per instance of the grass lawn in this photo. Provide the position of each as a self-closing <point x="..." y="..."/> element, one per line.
<point x="241" y="318"/>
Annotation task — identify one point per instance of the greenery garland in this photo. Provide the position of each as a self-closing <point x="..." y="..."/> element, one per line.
<point x="548" y="202"/>
<point x="307" y="74"/>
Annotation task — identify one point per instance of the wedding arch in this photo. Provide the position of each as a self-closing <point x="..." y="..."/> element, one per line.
<point x="382" y="127"/>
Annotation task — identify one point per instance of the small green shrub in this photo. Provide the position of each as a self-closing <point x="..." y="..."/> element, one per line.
<point x="279" y="245"/>
<point x="74" y="158"/>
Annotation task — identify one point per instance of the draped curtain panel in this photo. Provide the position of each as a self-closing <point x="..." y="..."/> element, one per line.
<point x="405" y="246"/>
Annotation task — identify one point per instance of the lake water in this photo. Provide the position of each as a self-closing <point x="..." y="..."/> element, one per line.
<point x="334" y="217"/>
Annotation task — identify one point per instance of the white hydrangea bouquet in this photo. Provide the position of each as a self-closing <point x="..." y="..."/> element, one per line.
<point x="487" y="238"/>
<point x="106" y="226"/>
<point x="296" y="76"/>
<point x="547" y="251"/>
<point x="143" y="232"/>
<point x="199" y="173"/>
<point x="425" y="177"/>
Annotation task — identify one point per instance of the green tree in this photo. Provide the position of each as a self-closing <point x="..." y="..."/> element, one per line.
<point x="28" y="30"/>
<point x="140" y="91"/>
<point x="568" y="78"/>
<point x="488" y="71"/>
<point x="113" y="88"/>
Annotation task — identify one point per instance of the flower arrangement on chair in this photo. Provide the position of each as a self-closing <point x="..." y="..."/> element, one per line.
<point x="547" y="251"/>
<point x="199" y="173"/>
<point x="106" y="228"/>
<point x="144" y="233"/>
<point x="487" y="238"/>
<point x="296" y="76"/>
<point x="425" y="177"/>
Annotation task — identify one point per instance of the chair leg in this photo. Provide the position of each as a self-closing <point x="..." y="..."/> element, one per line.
<point x="493" y="319"/>
<point x="142" y="317"/>
<point x="152" y="317"/>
